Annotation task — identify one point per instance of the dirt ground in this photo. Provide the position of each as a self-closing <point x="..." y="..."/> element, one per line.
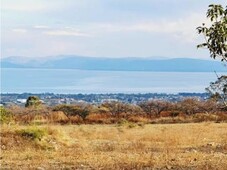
<point x="124" y="146"/>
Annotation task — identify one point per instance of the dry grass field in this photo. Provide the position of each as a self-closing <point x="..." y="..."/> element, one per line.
<point x="120" y="146"/>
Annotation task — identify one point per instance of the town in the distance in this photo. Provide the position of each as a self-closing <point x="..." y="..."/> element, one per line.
<point x="51" y="99"/>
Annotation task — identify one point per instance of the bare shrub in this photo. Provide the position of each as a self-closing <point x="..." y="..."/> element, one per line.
<point x="222" y="117"/>
<point x="81" y="110"/>
<point x="75" y="119"/>
<point x="154" y="107"/>
<point x="98" y="118"/>
<point x="116" y="108"/>
<point x="189" y="106"/>
<point x="208" y="106"/>
<point x="30" y="114"/>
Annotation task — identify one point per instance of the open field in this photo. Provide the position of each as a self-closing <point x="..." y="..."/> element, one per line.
<point x="118" y="146"/>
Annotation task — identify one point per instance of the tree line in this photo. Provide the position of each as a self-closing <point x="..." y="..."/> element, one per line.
<point x="114" y="111"/>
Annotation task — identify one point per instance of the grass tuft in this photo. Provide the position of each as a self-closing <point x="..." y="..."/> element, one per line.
<point x="33" y="133"/>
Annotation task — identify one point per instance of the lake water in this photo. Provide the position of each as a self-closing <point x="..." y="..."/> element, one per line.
<point x="80" y="81"/>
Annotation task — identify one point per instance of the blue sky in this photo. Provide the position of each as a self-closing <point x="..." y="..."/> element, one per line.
<point x="103" y="28"/>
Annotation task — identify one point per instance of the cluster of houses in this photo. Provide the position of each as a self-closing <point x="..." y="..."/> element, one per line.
<point x="56" y="99"/>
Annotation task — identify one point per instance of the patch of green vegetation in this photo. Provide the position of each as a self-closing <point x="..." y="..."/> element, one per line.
<point x="124" y="122"/>
<point x="33" y="101"/>
<point x="33" y="133"/>
<point x="5" y="115"/>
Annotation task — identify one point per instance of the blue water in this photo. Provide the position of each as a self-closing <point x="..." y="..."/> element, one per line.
<point x="80" y="81"/>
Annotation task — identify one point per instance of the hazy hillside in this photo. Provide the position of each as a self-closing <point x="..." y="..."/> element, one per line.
<point x="117" y="64"/>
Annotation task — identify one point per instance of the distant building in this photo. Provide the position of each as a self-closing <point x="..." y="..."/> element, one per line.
<point x="109" y="100"/>
<point x="21" y="101"/>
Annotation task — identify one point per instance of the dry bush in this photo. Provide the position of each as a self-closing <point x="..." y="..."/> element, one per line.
<point x="154" y="107"/>
<point x="119" y="109"/>
<point x="203" y="117"/>
<point x="208" y="106"/>
<point x="98" y="118"/>
<point x="170" y="120"/>
<point x="24" y="118"/>
<point x="17" y="109"/>
<point x="189" y="106"/>
<point x="40" y="119"/>
<point x="23" y="110"/>
<point x="31" y="118"/>
<point x="165" y="113"/>
<point x="114" y="107"/>
<point x="75" y="119"/>
<point x="172" y="113"/>
<point x="187" y="110"/>
<point x="99" y="110"/>
<point x="138" y="119"/>
<point x="222" y="117"/>
<point x="31" y="115"/>
<point x="81" y="110"/>
<point x="57" y="117"/>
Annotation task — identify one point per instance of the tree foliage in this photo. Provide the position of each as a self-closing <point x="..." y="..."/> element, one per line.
<point x="215" y="35"/>
<point x="216" y="42"/>
<point x="33" y="101"/>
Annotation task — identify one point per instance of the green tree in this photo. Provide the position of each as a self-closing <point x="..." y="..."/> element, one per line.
<point x="33" y="101"/>
<point x="216" y="42"/>
<point x="215" y="35"/>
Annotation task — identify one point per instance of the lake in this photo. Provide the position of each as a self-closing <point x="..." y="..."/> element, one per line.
<point x="84" y="81"/>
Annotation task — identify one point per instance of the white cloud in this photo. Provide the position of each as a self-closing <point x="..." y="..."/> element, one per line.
<point x="117" y="28"/>
<point x="66" y="33"/>
<point x="41" y="27"/>
<point x="19" y="30"/>
<point x="180" y="28"/>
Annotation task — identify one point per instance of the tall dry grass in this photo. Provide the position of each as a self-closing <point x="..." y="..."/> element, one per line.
<point x="176" y="146"/>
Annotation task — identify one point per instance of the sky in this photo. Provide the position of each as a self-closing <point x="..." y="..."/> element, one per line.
<point x="103" y="28"/>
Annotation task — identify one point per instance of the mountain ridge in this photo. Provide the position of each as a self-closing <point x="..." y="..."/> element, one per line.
<point x="117" y="64"/>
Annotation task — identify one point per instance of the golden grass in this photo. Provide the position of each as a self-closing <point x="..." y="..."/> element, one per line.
<point x="170" y="146"/>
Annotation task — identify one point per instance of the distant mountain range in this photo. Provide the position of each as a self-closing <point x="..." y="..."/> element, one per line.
<point x="116" y="64"/>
